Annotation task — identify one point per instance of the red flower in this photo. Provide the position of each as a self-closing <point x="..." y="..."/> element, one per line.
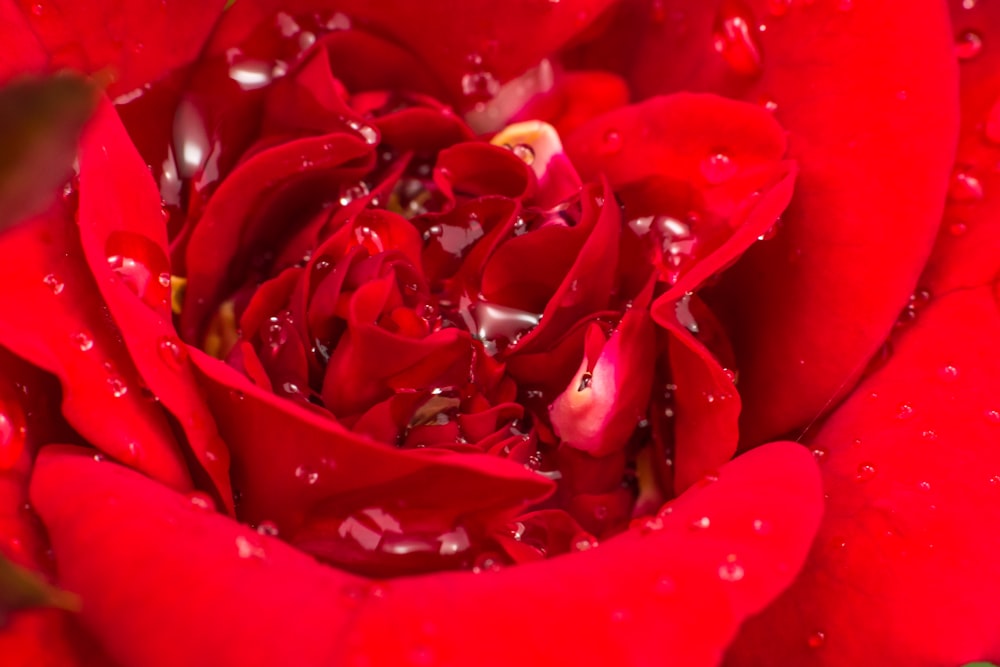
<point x="391" y="332"/>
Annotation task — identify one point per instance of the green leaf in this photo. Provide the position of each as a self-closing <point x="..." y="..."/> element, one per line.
<point x="40" y="123"/>
<point x="979" y="664"/>
<point x="21" y="588"/>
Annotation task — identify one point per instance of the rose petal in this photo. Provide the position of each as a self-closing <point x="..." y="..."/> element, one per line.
<point x="120" y="216"/>
<point x="486" y="46"/>
<point x="912" y="481"/>
<point x="318" y="459"/>
<point x="55" y="318"/>
<point x="969" y="243"/>
<point x="676" y="589"/>
<point x="854" y="83"/>
<point x="135" y="42"/>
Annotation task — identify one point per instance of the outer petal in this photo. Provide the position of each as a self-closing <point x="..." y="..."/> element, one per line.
<point x="54" y="317"/>
<point x="29" y="415"/>
<point x="120" y="217"/>
<point x="903" y="570"/>
<point x="854" y="83"/>
<point x="133" y="41"/>
<point x="672" y="589"/>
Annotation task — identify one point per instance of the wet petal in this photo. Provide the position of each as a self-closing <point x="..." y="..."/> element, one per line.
<point x="124" y="237"/>
<point x="869" y="198"/>
<point x="134" y="43"/>
<point x="912" y="476"/>
<point x="675" y="588"/>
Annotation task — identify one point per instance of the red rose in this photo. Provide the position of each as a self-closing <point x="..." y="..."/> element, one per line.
<point x="383" y="332"/>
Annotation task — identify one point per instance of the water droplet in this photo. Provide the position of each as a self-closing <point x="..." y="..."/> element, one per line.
<point x="525" y="153"/>
<point x="816" y="639"/>
<point x="686" y="318"/>
<point x="701" y="523"/>
<point x="819" y="452"/>
<point x="948" y="372"/>
<point x="965" y="187"/>
<point x="717" y="168"/>
<point x="201" y="501"/>
<point x="306" y="474"/>
<point x="924" y="486"/>
<point x="83" y="341"/>
<point x="651" y="525"/>
<point x="117" y="386"/>
<point x="480" y="86"/>
<point x="487" y="562"/>
<point x="138" y="263"/>
<point x="731" y="570"/>
<point x="968" y="44"/>
<point x="611" y="142"/>
<point x="53" y="283"/>
<point x="252" y="74"/>
<point x="957" y="228"/>
<point x="993" y="416"/>
<point x="268" y="528"/>
<point x="367" y="132"/>
<point x="352" y="192"/>
<point x="165" y="279"/>
<point x="866" y="471"/>
<point x="761" y="527"/>
<point x="246" y="549"/>
<point x="734" y="37"/>
<point x="905" y="411"/>
<point x="584" y="543"/>
<point x="172" y="351"/>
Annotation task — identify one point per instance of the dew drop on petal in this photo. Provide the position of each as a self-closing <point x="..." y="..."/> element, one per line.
<point x="246" y="549"/>
<point x="866" y="471"/>
<point x="117" y="386"/>
<point x="83" y="341"/>
<point x="731" y="570"/>
<point x="905" y="411"/>
<point x="734" y="37"/>
<point x="717" y="168"/>
<point x="816" y="640"/>
<point x="761" y="527"/>
<point x="968" y="44"/>
<point x="201" y="501"/>
<point x="965" y="187"/>
<point x="993" y="416"/>
<point x="948" y="372"/>
<point x="701" y="523"/>
<point x="53" y="282"/>
<point x="307" y="475"/>
<point x="611" y="142"/>
<point x="268" y="528"/>
<point x="171" y="351"/>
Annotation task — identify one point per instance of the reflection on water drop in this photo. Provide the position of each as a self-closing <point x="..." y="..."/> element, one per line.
<point x="734" y="37"/>
<point x="684" y="315"/>
<point x="251" y="74"/>
<point x="54" y="283"/>
<point x="190" y="139"/>
<point x="968" y="44"/>
<point x="83" y="341"/>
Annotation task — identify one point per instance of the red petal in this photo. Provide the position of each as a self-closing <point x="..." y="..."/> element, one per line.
<point x="903" y="570"/>
<point x="854" y="87"/>
<point x="286" y="460"/>
<point x="120" y="215"/>
<point x="484" y="40"/>
<point x="120" y="538"/>
<point x="706" y="429"/>
<point x="133" y="41"/>
<point x="54" y="317"/>
<point x="969" y="242"/>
